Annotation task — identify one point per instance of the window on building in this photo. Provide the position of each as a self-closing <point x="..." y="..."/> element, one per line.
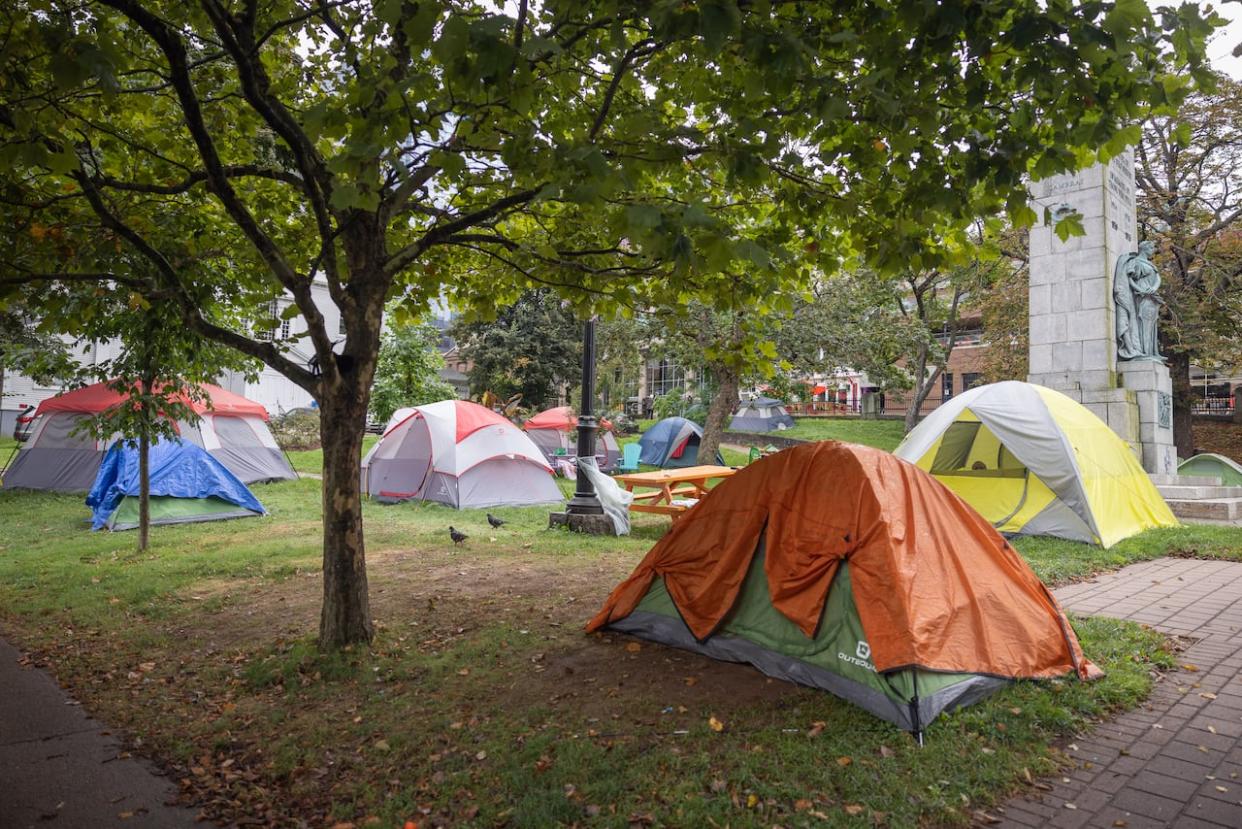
<point x="946" y="385"/>
<point x="284" y="329"/>
<point x="664" y="376"/>
<point x="265" y="327"/>
<point x="340" y="325"/>
<point x="970" y="379"/>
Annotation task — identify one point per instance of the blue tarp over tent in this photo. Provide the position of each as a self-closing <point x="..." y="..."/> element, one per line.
<point x="177" y="469"/>
<point x="674" y="441"/>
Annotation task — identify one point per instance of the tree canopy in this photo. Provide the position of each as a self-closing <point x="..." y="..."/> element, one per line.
<point x="532" y="348"/>
<point x="625" y="153"/>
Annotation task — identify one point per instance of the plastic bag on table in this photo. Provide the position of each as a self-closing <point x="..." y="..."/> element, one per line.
<point x="615" y="500"/>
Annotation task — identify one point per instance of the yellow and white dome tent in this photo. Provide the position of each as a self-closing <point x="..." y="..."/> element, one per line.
<point x="1035" y="462"/>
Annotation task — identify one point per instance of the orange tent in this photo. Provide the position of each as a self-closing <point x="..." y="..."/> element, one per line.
<point x="931" y="587"/>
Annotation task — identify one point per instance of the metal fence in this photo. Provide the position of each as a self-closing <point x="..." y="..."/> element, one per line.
<point x="1216" y="405"/>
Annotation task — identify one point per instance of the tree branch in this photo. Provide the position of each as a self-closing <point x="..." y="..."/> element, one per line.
<point x="439" y="234"/>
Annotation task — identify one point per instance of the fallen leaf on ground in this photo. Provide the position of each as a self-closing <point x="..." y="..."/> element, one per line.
<point x="844" y="761"/>
<point x="752" y="801"/>
<point x="633" y="647"/>
<point x="715" y="724"/>
<point x="816" y="728"/>
<point x="853" y="809"/>
<point x="1186" y="666"/>
<point x="802" y="804"/>
<point x="885" y="751"/>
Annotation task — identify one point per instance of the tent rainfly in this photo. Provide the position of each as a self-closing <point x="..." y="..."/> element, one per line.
<point x="457" y="453"/>
<point x="232" y="428"/>
<point x="555" y="432"/>
<point x="187" y="485"/>
<point x="843" y="568"/>
<point x="672" y="443"/>
<point x="1211" y="465"/>
<point x="1034" y="462"/>
<point x="763" y="414"/>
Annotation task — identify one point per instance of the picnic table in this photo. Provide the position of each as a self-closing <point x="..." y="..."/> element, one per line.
<point x="669" y="486"/>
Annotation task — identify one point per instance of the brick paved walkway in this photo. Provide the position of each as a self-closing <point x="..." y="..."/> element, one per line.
<point x="1176" y="760"/>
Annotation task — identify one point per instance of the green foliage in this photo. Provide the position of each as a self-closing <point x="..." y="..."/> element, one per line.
<point x="679" y="404"/>
<point x="408" y="371"/>
<point x="37" y="354"/>
<point x="531" y="348"/>
<point x="297" y="430"/>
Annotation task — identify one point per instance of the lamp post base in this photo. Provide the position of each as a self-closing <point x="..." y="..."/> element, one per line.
<point x="590" y="523"/>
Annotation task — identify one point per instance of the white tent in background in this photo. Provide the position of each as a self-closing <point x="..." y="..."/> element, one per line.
<point x="460" y="454"/>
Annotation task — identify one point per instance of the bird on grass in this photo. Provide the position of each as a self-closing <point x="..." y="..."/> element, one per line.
<point x="494" y="521"/>
<point x="458" y="537"/>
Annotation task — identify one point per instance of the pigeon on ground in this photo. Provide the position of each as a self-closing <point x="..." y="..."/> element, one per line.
<point x="456" y="536"/>
<point x="494" y="521"/>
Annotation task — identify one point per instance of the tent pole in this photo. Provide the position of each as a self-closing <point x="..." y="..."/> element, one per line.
<point x="914" y="708"/>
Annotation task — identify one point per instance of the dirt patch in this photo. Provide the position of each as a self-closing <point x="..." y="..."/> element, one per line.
<point x="608" y="672"/>
<point x="1221" y="438"/>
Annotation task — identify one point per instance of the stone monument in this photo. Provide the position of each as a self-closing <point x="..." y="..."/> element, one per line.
<point x="1093" y="309"/>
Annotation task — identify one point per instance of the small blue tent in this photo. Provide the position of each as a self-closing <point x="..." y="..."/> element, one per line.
<point x="187" y="484"/>
<point x="673" y="442"/>
<point x="763" y="414"/>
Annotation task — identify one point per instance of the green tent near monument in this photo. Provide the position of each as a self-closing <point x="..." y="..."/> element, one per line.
<point x="1211" y="465"/>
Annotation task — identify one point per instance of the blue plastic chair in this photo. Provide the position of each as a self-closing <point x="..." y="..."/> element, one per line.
<point x="629" y="458"/>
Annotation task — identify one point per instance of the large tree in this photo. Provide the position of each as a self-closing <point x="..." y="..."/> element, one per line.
<point x="1190" y="202"/>
<point x="532" y="348"/>
<point x="624" y="152"/>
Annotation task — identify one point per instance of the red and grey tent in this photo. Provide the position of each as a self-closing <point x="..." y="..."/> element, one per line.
<point x="555" y="432"/>
<point x="460" y="454"/>
<point x="233" y="429"/>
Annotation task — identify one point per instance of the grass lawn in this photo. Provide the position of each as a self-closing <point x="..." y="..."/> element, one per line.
<point x="482" y="702"/>
<point x="882" y="434"/>
<point x="311" y="460"/>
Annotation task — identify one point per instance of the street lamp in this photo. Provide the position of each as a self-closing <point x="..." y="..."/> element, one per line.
<point x="584" y="513"/>
<point x="585" y="501"/>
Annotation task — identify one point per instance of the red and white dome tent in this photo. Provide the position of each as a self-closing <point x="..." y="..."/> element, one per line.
<point x="460" y="454"/>
<point x="233" y="429"/>
<point x="555" y="432"/>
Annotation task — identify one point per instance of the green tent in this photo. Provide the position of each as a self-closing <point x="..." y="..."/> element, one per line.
<point x="837" y="659"/>
<point x="1209" y="465"/>
<point x="167" y="509"/>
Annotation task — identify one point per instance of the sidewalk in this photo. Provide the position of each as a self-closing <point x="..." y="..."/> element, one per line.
<point x="58" y="767"/>
<point x="1175" y="761"/>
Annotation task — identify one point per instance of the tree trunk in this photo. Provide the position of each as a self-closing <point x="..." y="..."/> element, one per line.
<point x="346" y="615"/>
<point x="144" y="463"/>
<point x="722" y="406"/>
<point x="1183" y="399"/>
<point x="144" y="484"/>
<point x="922" y="388"/>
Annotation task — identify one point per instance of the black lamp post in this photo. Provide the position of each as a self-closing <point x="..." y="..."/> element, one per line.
<point x="585" y="502"/>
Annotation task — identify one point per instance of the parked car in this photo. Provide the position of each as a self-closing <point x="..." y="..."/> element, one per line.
<point x="24" y="425"/>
